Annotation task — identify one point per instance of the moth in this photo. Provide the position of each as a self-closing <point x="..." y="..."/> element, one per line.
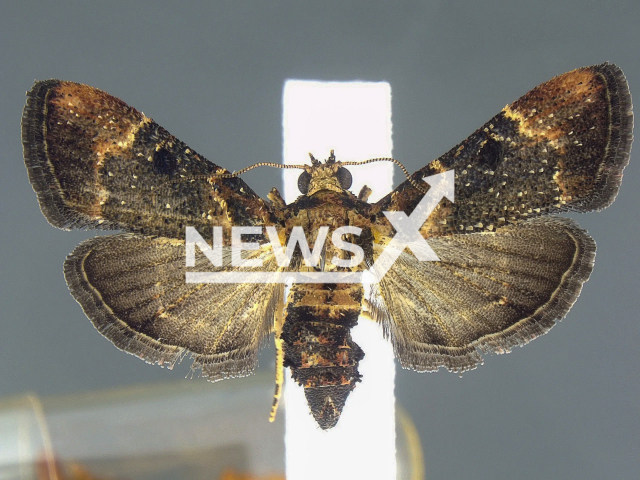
<point x="509" y="267"/>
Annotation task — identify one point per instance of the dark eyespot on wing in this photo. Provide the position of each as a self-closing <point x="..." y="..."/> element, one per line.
<point x="561" y="147"/>
<point x="164" y="163"/>
<point x="95" y="162"/>
<point x="490" y="154"/>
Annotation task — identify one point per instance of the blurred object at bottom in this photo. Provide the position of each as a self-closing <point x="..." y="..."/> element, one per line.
<point x="182" y="430"/>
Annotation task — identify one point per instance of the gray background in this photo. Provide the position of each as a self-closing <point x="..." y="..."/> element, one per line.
<point x="564" y="407"/>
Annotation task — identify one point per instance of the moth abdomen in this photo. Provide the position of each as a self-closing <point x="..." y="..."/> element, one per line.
<point x="318" y="346"/>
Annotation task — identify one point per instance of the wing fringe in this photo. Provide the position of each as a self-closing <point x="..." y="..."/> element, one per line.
<point x="609" y="175"/>
<point x="41" y="177"/>
<point x="235" y="363"/>
<point x="424" y="357"/>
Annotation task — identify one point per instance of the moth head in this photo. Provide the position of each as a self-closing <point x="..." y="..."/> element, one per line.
<point x="330" y="175"/>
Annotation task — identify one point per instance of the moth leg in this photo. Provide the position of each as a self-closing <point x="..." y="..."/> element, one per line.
<point x="279" y="320"/>
<point x="364" y="193"/>
<point x="276" y="198"/>
<point x="367" y="310"/>
<point x="279" y="379"/>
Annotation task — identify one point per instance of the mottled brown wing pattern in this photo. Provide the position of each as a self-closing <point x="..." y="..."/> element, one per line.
<point x="561" y="147"/>
<point x="134" y="291"/>
<point x="97" y="163"/>
<point x="508" y="271"/>
<point x="488" y="292"/>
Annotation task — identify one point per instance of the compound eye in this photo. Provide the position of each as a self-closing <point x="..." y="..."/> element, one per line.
<point x="344" y="178"/>
<point x="303" y="182"/>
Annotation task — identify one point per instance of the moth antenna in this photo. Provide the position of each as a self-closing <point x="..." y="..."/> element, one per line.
<point x="251" y="167"/>
<point x="392" y="160"/>
<point x="226" y="175"/>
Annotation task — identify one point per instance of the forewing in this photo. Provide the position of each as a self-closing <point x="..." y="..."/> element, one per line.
<point x="561" y="147"/>
<point x="134" y="291"/>
<point x="489" y="292"/>
<point x="96" y="162"/>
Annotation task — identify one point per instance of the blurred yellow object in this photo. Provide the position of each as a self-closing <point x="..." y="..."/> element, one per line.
<point x="233" y="475"/>
<point x="181" y="430"/>
<point x="47" y="470"/>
